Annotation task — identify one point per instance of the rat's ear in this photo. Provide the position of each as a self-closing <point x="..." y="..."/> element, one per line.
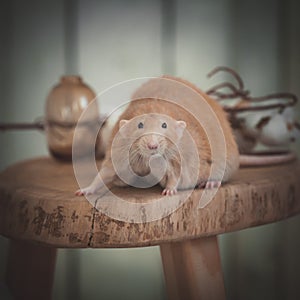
<point x="122" y="123"/>
<point x="180" y="126"/>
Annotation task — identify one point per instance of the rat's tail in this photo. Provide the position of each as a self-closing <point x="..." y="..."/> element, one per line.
<point x="266" y="159"/>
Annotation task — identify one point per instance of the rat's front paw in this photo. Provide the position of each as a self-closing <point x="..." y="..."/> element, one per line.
<point x="169" y="191"/>
<point x="85" y="191"/>
<point x="211" y="184"/>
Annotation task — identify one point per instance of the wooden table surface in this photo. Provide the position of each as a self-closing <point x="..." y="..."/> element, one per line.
<point x="37" y="203"/>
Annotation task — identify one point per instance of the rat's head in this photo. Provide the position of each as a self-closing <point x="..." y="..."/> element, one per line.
<point x="152" y="133"/>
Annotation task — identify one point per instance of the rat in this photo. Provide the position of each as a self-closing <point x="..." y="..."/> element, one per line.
<point x="163" y="136"/>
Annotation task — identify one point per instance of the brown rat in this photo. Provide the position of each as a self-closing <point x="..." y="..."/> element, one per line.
<point x="152" y="128"/>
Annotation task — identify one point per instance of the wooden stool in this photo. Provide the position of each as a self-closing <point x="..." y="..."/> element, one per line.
<point x="39" y="213"/>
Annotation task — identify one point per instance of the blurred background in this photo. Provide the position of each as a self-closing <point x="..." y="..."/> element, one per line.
<point x="110" y="41"/>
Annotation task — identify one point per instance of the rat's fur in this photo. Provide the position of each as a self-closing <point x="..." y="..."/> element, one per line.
<point x="153" y="112"/>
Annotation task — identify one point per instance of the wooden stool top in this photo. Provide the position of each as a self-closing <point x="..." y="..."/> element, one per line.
<point x="37" y="203"/>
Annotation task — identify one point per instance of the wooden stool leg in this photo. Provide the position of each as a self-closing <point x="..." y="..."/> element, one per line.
<point x="193" y="270"/>
<point x="30" y="270"/>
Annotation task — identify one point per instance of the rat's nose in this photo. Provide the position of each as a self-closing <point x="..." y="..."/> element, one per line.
<point x="152" y="145"/>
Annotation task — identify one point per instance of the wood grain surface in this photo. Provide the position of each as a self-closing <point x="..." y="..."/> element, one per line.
<point x="37" y="203"/>
<point x="193" y="269"/>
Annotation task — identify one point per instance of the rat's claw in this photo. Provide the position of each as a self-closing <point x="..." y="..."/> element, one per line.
<point x="79" y="193"/>
<point x="83" y="192"/>
<point x="169" y="192"/>
<point x="213" y="184"/>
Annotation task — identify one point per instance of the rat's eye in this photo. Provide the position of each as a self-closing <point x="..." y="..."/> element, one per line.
<point x="164" y="125"/>
<point x="140" y="125"/>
